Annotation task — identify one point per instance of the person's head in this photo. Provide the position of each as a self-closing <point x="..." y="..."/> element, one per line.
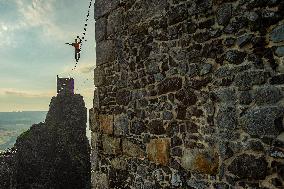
<point x="75" y="40"/>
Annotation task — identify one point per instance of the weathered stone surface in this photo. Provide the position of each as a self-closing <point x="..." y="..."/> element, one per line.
<point x="249" y="167"/>
<point x="119" y="163"/>
<point x="244" y="40"/>
<point x="169" y="85"/>
<point x="93" y="120"/>
<point x="138" y="127"/>
<point x="99" y="180"/>
<point x="267" y="95"/>
<point x="131" y="149"/>
<point x="103" y="7"/>
<point x="186" y="96"/>
<point x="99" y="77"/>
<point x="156" y="127"/>
<point x="277" y="79"/>
<point x="225" y="95"/>
<point x="123" y="97"/>
<point x="235" y="57"/>
<point x="247" y="79"/>
<point x="121" y="124"/>
<point x="263" y="121"/>
<point x="111" y="145"/>
<point x="207" y="74"/>
<point x="280" y="51"/>
<point x="101" y="26"/>
<point x="145" y="10"/>
<point x="106" y="124"/>
<point x="106" y="52"/>
<point x="177" y="14"/>
<point x="115" y="22"/>
<point x="227" y="117"/>
<point x="277" y="35"/>
<point x="281" y="137"/>
<point x="224" y="13"/>
<point x="202" y="162"/>
<point x="158" y="150"/>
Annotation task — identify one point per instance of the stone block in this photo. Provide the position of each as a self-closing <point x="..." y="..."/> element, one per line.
<point x="123" y="97"/>
<point x="158" y="150"/>
<point x="277" y="35"/>
<point x="224" y="13"/>
<point x="263" y="121"/>
<point x="280" y="51"/>
<point x="111" y="145"/>
<point x="99" y="180"/>
<point x="99" y="76"/>
<point x="121" y="124"/>
<point x="267" y="95"/>
<point x="225" y="95"/>
<point x="106" y="124"/>
<point x="101" y="29"/>
<point x="93" y="120"/>
<point x="187" y="97"/>
<point x="249" y="167"/>
<point x="200" y="161"/>
<point x="156" y="127"/>
<point x="138" y="127"/>
<point x="106" y="52"/>
<point x="103" y="7"/>
<point x="132" y="150"/>
<point x="169" y="85"/>
<point x="119" y="163"/>
<point x="247" y="79"/>
<point x="227" y="117"/>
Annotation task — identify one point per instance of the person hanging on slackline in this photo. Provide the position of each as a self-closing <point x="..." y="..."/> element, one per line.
<point x="77" y="46"/>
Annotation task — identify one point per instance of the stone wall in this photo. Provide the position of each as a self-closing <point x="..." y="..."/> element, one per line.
<point x="189" y="94"/>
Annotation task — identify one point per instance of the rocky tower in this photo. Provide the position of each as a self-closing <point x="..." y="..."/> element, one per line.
<point x="189" y="94"/>
<point x="55" y="154"/>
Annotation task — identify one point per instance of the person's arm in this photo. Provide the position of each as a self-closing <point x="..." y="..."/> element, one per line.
<point x="68" y="44"/>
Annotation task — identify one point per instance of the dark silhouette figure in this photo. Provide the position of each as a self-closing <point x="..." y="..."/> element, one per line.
<point x="77" y="46"/>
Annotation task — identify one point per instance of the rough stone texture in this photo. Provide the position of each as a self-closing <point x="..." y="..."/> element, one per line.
<point x="103" y="7"/>
<point x="106" y="52"/>
<point x="158" y="150"/>
<point x="106" y="124"/>
<point x="111" y="145"/>
<point x="205" y="74"/>
<point x="263" y="121"/>
<point x="249" y="167"/>
<point x="277" y="35"/>
<point x="202" y="162"/>
<point x="101" y="26"/>
<point x="121" y="124"/>
<point x="53" y="154"/>
<point x="132" y="150"/>
<point x="98" y="77"/>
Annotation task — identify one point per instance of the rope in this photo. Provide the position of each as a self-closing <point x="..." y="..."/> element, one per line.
<point x="85" y="30"/>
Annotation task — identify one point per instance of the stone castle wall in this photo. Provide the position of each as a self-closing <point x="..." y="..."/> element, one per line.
<point x="189" y="94"/>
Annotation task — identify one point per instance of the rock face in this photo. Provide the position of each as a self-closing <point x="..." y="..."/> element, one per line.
<point x="54" y="154"/>
<point x="189" y="94"/>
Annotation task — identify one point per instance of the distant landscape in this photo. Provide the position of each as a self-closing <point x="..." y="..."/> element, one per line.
<point x="12" y="124"/>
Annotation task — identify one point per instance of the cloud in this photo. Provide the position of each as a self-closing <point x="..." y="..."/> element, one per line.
<point x="26" y="94"/>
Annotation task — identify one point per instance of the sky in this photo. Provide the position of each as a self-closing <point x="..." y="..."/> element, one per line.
<point x="33" y="34"/>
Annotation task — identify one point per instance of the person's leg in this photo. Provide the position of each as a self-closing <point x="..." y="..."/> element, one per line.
<point x="76" y="56"/>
